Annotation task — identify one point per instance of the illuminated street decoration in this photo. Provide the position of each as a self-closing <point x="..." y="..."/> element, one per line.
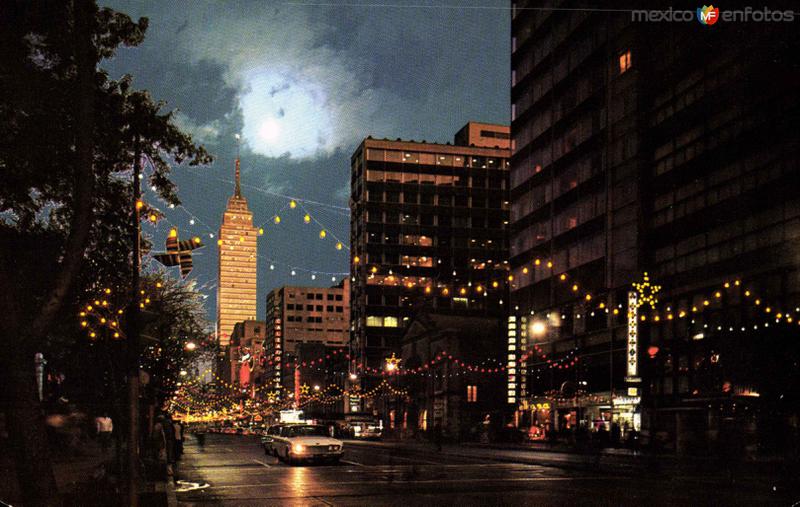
<point x="647" y="293"/>
<point x="392" y="363"/>
<point x="179" y="253"/>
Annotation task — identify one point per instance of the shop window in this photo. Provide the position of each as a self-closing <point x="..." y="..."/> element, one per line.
<point x="624" y="61"/>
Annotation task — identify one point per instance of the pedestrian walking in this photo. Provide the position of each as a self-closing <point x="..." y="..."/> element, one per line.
<point x="157" y="446"/>
<point x="200" y="435"/>
<point x="104" y="427"/>
<point x="170" y="444"/>
<point x="177" y="427"/>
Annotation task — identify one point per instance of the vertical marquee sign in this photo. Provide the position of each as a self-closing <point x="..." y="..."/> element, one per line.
<point x="633" y="336"/>
<point x="511" y="365"/>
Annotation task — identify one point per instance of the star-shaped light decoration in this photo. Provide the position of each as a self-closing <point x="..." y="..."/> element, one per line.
<point x="392" y="363"/>
<point x="304" y="389"/>
<point x="648" y="292"/>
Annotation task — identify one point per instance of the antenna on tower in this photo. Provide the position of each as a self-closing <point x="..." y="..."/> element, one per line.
<point x="238" y="189"/>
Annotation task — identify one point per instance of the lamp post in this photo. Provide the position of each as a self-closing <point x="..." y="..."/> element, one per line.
<point x="392" y="364"/>
<point x="133" y="333"/>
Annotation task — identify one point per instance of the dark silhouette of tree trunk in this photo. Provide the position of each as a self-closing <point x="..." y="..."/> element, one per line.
<point x="64" y="135"/>
<point x="24" y="416"/>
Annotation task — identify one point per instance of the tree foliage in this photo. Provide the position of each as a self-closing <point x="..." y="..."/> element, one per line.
<point x="68" y="138"/>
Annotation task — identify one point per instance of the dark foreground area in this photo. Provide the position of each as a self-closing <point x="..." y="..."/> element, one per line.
<point x="233" y="470"/>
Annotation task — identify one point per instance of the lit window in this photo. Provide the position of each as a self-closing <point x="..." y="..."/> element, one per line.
<point x="624" y="61"/>
<point x="374" y="321"/>
<point x="390" y="322"/>
<point x="472" y="394"/>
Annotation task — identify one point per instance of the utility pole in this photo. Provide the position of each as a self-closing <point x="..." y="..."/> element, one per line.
<point x="133" y="335"/>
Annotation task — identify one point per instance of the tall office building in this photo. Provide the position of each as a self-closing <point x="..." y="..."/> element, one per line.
<point x="303" y="315"/>
<point x="236" y="289"/>
<point x="631" y="155"/>
<point x="428" y="228"/>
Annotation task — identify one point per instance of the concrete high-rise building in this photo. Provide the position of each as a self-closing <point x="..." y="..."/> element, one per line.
<point x="237" y="241"/>
<point x="428" y="228"/>
<point x="631" y="155"/>
<point x="303" y="315"/>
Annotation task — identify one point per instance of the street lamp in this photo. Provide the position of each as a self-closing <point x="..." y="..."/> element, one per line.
<point x="353" y="376"/>
<point x="538" y="328"/>
<point x="316" y="387"/>
<point x="190" y="346"/>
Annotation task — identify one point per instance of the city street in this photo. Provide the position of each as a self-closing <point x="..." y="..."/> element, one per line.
<point x="233" y="470"/>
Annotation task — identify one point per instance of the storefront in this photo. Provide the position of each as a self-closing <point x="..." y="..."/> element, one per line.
<point x="536" y="418"/>
<point x="541" y="417"/>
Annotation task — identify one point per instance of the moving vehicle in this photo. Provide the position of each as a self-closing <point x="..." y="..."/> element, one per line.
<point x="305" y="442"/>
<point x="268" y="438"/>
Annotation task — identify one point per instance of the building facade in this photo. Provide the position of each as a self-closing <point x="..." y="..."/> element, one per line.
<point x="428" y="229"/>
<point x="304" y="315"/>
<point x="631" y="156"/>
<point x="574" y="212"/>
<point x="242" y="359"/>
<point x="465" y="397"/>
<point x="237" y="272"/>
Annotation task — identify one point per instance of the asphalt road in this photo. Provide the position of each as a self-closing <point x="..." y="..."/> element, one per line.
<point x="233" y="470"/>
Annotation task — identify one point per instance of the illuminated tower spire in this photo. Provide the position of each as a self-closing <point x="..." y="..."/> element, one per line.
<point x="238" y="190"/>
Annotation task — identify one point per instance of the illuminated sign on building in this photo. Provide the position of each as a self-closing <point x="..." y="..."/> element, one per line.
<point x="511" y="366"/>
<point x="633" y="336"/>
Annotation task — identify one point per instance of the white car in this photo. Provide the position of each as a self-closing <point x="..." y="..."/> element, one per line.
<point x="306" y="442"/>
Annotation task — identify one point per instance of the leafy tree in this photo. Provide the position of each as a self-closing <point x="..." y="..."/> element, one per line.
<point x="67" y="135"/>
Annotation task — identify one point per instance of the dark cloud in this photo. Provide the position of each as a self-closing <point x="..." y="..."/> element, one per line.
<point x="386" y="72"/>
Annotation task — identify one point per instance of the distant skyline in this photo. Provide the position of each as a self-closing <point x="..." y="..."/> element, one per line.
<point x="304" y="85"/>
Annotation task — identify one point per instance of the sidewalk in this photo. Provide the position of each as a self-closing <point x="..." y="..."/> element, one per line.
<point x="85" y="479"/>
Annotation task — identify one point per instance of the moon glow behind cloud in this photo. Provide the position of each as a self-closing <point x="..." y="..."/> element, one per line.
<point x="284" y="115"/>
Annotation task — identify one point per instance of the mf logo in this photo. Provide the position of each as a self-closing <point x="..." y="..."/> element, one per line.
<point x="708" y="15"/>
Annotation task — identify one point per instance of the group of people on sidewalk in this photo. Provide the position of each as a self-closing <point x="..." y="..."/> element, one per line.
<point x="165" y="445"/>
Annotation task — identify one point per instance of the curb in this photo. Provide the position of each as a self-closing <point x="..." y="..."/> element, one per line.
<point x="172" y="497"/>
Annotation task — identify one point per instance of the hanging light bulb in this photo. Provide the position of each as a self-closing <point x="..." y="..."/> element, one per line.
<point x="322" y="234"/>
<point x="339" y="245"/>
<point x="292" y="204"/>
<point x="277" y="219"/>
<point x="260" y="231"/>
<point x="307" y="218"/>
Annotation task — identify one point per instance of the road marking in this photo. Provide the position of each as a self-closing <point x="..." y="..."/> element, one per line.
<point x="426" y="481"/>
<point x="352" y="463"/>
<point x="191" y="486"/>
<point x="261" y="463"/>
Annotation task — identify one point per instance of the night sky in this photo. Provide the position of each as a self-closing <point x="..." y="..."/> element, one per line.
<point x="304" y="84"/>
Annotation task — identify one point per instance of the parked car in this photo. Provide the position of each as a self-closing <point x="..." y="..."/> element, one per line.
<point x="306" y="442"/>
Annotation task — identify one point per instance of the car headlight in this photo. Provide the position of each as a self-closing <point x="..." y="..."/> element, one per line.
<point x="334" y="447"/>
<point x="298" y="448"/>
